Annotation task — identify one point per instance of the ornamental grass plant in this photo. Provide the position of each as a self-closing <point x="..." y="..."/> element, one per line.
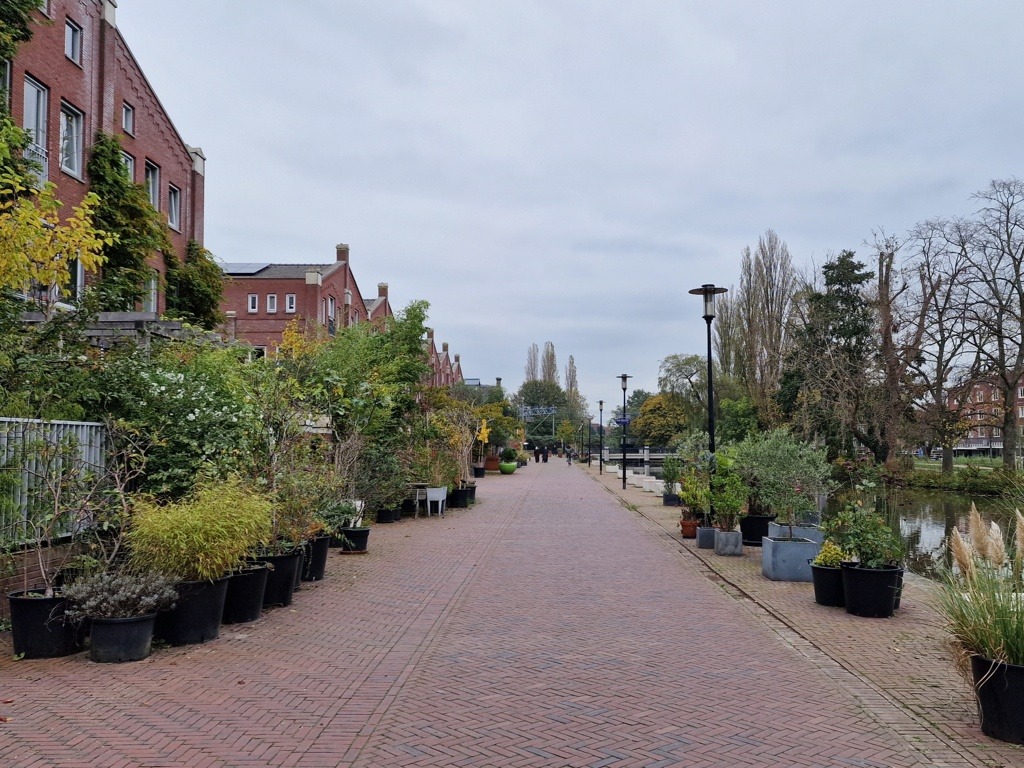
<point x="982" y="597"/>
<point x="204" y="535"/>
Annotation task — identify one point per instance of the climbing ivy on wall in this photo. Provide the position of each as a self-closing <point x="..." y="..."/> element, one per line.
<point x="124" y="210"/>
<point x="195" y="288"/>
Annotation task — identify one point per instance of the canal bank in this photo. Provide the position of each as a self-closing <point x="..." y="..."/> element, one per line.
<point x="900" y="669"/>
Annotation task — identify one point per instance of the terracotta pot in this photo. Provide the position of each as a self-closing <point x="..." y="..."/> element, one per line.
<point x="688" y="528"/>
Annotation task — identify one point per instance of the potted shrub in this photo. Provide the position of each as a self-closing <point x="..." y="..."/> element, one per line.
<point x="688" y="524"/>
<point x="198" y="541"/>
<point x="981" y="602"/>
<point x="693" y="494"/>
<point x="728" y="496"/>
<point x="671" y="471"/>
<point x="827" y="575"/>
<point x="787" y="477"/>
<point x="122" y="608"/>
<point x="871" y="584"/>
<point x="60" y="492"/>
<point x="509" y="461"/>
<point x="343" y="520"/>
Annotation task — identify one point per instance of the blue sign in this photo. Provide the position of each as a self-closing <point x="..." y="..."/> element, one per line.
<point x="622" y="420"/>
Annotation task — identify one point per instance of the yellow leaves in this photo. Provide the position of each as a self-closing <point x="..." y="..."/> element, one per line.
<point x="483" y="433"/>
<point x="36" y="247"/>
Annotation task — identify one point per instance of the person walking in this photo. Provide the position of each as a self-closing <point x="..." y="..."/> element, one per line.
<point x="568" y="456"/>
<point x="544" y="454"/>
<point x="536" y="454"/>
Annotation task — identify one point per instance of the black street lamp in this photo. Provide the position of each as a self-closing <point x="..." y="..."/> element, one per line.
<point x="590" y="438"/>
<point x="625" y="423"/>
<point x="709" y="291"/>
<point x="600" y="437"/>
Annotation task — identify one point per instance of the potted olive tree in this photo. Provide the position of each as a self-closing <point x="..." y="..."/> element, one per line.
<point x="728" y="497"/>
<point x="671" y="471"/>
<point x="786" y="476"/>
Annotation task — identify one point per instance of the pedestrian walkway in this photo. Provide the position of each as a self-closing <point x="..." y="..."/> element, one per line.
<point x="551" y="625"/>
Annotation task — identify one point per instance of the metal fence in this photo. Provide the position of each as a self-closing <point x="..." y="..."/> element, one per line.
<point x="35" y="457"/>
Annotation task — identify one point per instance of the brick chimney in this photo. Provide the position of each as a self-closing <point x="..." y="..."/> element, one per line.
<point x="341" y="251"/>
<point x="497" y="382"/>
<point x="382" y="290"/>
<point x="444" y="347"/>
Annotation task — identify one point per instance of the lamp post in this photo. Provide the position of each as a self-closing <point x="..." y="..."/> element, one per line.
<point x="590" y="438"/>
<point x="625" y="424"/>
<point x="600" y="437"/>
<point x="709" y="291"/>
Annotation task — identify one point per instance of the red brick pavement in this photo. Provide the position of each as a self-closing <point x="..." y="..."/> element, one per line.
<point x="548" y="626"/>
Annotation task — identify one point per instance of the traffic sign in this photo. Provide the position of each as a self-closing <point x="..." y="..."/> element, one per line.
<point x="622" y="420"/>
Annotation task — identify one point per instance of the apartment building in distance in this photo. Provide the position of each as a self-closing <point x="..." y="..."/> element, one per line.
<point x="76" y="77"/>
<point x="983" y="409"/>
<point x="261" y="299"/>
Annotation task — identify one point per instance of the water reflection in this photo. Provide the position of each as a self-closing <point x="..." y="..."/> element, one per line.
<point x="926" y="518"/>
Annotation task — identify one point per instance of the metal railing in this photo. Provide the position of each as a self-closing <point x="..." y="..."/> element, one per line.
<point x="35" y="456"/>
<point x="38" y="154"/>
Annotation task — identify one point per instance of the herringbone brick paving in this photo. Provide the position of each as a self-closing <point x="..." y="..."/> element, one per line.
<point x="548" y="626"/>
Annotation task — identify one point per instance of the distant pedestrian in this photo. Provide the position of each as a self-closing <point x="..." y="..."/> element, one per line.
<point x="568" y="456"/>
<point x="544" y="453"/>
<point x="536" y="455"/>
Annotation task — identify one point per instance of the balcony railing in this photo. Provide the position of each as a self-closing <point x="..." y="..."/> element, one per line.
<point x="38" y="154"/>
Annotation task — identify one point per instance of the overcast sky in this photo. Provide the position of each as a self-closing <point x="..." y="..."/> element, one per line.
<point x="565" y="170"/>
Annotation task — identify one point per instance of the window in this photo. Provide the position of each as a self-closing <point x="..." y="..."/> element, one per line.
<point x="174" y="207"/>
<point x="330" y="307"/>
<point x="73" y="41"/>
<point x="128" y="118"/>
<point x="289" y="302"/>
<point x="254" y="302"/>
<point x="152" y="184"/>
<point x="76" y="285"/>
<point x="34" y="123"/>
<point x="1020" y="392"/>
<point x="44" y="6"/>
<point x="271" y="302"/>
<point x="995" y="395"/>
<point x="129" y="164"/>
<point x="997" y="432"/>
<point x="5" y="80"/>
<point x="149" y="301"/>
<point x="1020" y="411"/>
<point x="71" y="121"/>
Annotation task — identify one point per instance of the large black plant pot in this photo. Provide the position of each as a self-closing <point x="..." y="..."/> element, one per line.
<point x="1000" y="692"/>
<point x="870" y="592"/>
<point x="479" y="472"/>
<point x="754" y="528"/>
<point x="828" y="585"/>
<point x="472" y="493"/>
<point x="39" y="629"/>
<point x="314" y="558"/>
<point x="355" y="540"/>
<point x="197" y="616"/>
<point x="281" y="580"/>
<point x="118" y="640"/>
<point x="246" y="588"/>
<point x="458" y="498"/>
<point x="298" y="569"/>
<point x="391" y="515"/>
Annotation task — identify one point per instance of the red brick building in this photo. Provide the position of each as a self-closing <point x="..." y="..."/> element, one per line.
<point x="261" y="299"/>
<point x="982" y="407"/>
<point x="77" y="76"/>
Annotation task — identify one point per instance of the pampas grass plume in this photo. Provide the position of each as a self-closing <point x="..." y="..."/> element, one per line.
<point x="978" y="533"/>
<point x="996" y="546"/>
<point x="961" y="552"/>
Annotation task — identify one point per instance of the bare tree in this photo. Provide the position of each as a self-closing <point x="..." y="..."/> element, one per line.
<point x="997" y="296"/>
<point x="532" y="369"/>
<point x="946" y="363"/>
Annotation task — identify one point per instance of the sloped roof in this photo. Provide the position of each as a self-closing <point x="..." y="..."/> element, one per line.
<point x="277" y="271"/>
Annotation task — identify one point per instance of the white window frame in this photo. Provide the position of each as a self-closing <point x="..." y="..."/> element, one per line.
<point x="152" y="184"/>
<point x="128" y="118"/>
<point x="44" y="7"/>
<point x="72" y="132"/>
<point x="173" y="207"/>
<point x="271" y="303"/>
<point x="1020" y="392"/>
<point x="73" y="41"/>
<point x="1020" y="411"/>
<point x="331" y="307"/>
<point x="129" y="164"/>
<point x="35" y="115"/>
<point x="289" y="303"/>
<point x="150" y="302"/>
<point x="254" y="303"/>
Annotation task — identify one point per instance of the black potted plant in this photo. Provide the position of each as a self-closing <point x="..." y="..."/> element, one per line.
<point x="871" y="583"/>
<point x="671" y="471"/>
<point x="343" y="520"/>
<point x="827" y="575"/>
<point x="122" y="608"/>
<point x="198" y="541"/>
<point x="981" y="602"/>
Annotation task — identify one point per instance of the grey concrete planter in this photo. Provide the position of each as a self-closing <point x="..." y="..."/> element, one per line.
<point x="705" y="538"/>
<point x="729" y="543"/>
<point x="807" y="531"/>
<point x="787" y="559"/>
